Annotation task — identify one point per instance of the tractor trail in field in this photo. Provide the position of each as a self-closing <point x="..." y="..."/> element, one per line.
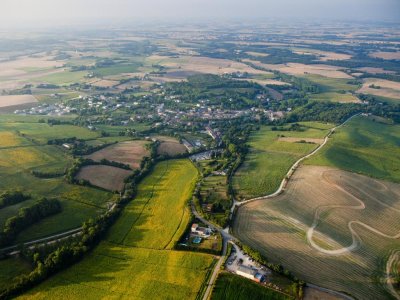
<point x="356" y="239"/>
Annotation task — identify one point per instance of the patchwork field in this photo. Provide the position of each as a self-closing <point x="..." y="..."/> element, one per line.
<point x="202" y="64"/>
<point x="271" y="155"/>
<point x="342" y="224"/>
<point x="13" y="100"/>
<point x="381" y="87"/>
<point x="170" y="146"/>
<point x="136" y="261"/>
<point x="130" y="153"/>
<point x="19" y="156"/>
<point x="106" y="177"/>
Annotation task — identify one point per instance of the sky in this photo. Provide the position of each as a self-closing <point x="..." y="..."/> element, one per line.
<point x="36" y="13"/>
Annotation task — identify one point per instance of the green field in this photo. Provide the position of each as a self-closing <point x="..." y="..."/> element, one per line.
<point x="334" y="97"/>
<point x="136" y="261"/>
<point x="363" y="146"/>
<point x="10" y="268"/>
<point x="22" y="153"/>
<point x="269" y="158"/>
<point x="233" y="287"/>
<point x="63" y="78"/>
<point x="116" y="70"/>
<point x="41" y="132"/>
<point x="327" y="84"/>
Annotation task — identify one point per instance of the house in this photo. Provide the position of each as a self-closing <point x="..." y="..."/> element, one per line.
<point x="202" y="231"/>
<point x="249" y="273"/>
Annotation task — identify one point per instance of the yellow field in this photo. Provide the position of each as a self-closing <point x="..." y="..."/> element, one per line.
<point x="136" y="261"/>
<point x="10" y="139"/>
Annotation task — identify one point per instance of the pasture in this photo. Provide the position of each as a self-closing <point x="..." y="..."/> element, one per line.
<point x="106" y="177"/>
<point x="42" y="132"/>
<point x="129" y="152"/>
<point x="359" y="147"/>
<point x="342" y="224"/>
<point x="271" y="155"/>
<point x="136" y="261"/>
<point x="12" y="100"/>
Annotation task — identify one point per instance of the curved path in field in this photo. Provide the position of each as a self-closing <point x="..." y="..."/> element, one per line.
<point x="355" y="237"/>
<point x="292" y="169"/>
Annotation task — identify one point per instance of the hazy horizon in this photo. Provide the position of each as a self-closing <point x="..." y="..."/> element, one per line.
<point x="46" y="13"/>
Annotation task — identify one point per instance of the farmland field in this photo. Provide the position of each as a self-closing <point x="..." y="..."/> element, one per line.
<point x="271" y="156"/>
<point x="233" y="287"/>
<point x="130" y="153"/>
<point x="20" y="155"/>
<point x="364" y="146"/>
<point x="106" y="177"/>
<point x="136" y="261"/>
<point x="383" y="88"/>
<point x="342" y="224"/>
<point x="170" y="146"/>
<point x="335" y="97"/>
<point x="16" y="100"/>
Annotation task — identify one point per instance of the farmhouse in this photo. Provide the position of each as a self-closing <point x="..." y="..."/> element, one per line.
<point x="249" y="273"/>
<point x="202" y="231"/>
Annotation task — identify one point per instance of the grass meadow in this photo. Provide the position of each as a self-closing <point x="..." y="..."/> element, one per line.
<point x="363" y="146"/>
<point x="269" y="158"/>
<point x="136" y="260"/>
<point x="24" y="149"/>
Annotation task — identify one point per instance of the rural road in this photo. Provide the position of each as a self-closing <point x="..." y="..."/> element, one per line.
<point x="226" y="237"/>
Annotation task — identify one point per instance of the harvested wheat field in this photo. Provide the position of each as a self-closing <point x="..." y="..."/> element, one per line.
<point x="386" y="55"/>
<point x="130" y="153"/>
<point x="106" y="177"/>
<point x="384" y="88"/>
<point x="12" y="100"/>
<point x="297" y="69"/>
<point x="375" y="70"/>
<point x="330" y="227"/>
<point x="170" y="146"/>
<point x="323" y="55"/>
<point x="104" y="83"/>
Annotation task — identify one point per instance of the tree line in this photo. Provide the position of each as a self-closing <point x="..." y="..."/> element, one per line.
<point x="27" y="216"/>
